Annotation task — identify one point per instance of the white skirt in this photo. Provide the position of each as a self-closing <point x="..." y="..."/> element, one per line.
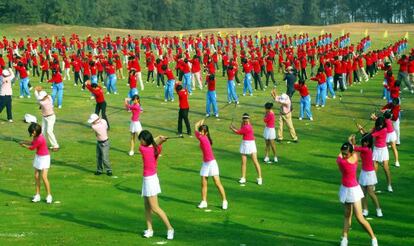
<point x="248" y="147"/>
<point x="350" y="195"/>
<point x="269" y="133"/>
<point x="150" y="186"/>
<point x="209" y="169"/>
<point x="380" y="154"/>
<point x="41" y="162"/>
<point x="391" y="137"/>
<point x="135" y="127"/>
<point x="367" y="178"/>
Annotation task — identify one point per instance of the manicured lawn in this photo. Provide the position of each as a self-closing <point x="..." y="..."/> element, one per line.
<point x="297" y="204"/>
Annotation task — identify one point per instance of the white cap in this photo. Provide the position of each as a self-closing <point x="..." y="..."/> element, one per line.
<point x="284" y="97"/>
<point x="6" y="73"/>
<point x="41" y="95"/>
<point x="92" y="118"/>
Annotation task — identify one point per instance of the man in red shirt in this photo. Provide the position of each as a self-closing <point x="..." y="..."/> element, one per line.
<point x="57" y="87"/>
<point x="305" y="99"/>
<point x="98" y="93"/>
<point x="24" y="80"/>
<point x="184" y="109"/>
<point x="269" y="71"/>
<point x="394" y="106"/>
<point x="211" y="99"/>
<point x="169" y="86"/>
<point x="403" y="73"/>
<point x="338" y="74"/>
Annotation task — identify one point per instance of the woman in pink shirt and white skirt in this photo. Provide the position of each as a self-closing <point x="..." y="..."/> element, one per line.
<point x="210" y="166"/>
<point x="269" y="133"/>
<point x="247" y="147"/>
<point x="150" y="149"/>
<point x="350" y="193"/>
<point x="41" y="162"/>
<point x="135" y="127"/>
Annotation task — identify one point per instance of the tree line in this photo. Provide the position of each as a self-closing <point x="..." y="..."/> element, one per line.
<point x="200" y="14"/>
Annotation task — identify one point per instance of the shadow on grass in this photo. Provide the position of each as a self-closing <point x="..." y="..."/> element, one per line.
<point x="188" y="170"/>
<point x="71" y="165"/>
<point x="104" y="225"/>
<point x="13" y="193"/>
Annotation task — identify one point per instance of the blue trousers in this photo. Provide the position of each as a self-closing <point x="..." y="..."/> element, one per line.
<point x="247" y="83"/>
<point x="57" y="90"/>
<point x="169" y="90"/>
<point x="211" y="99"/>
<point x="94" y="79"/>
<point x="330" y="86"/>
<point x="305" y="105"/>
<point x="231" y="92"/>
<point x="321" y="94"/>
<point x="132" y="92"/>
<point x="187" y="83"/>
<point x="24" y="87"/>
<point x="111" y="83"/>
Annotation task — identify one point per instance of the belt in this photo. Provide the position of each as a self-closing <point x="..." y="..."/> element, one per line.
<point x="102" y="141"/>
<point x="48" y="115"/>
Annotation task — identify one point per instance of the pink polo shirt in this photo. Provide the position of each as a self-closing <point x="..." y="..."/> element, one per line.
<point x="101" y="130"/>
<point x="46" y="106"/>
<point x="380" y="137"/>
<point x="366" y="157"/>
<point x="205" y="147"/>
<point x="349" y="171"/>
<point x="149" y="159"/>
<point x="247" y="132"/>
<point x="135" y="110"/>
<point x="39" y="143"/>
<point x="269" y="119"/>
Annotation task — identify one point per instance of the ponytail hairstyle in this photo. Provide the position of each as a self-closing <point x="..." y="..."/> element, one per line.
<point x="387" y="114"/>
<point x="367" y="138"/>
<point x="205" y="129"/>
<point x="135" y="97"/>
<point x="379" y="123"/>
<point x="347" y="148"/>
<point x="149" y="140"/>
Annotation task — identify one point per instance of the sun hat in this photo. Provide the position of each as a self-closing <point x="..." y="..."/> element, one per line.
<point x="93" y="118"/>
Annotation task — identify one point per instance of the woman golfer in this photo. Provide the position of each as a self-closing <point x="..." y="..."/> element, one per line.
<point x="135" y="127"/>
<point x="150" y="149"/>
<point x="350" y="193"/>
<point x="209" y="167"/>
<point x="269" y="132"/>
<point x="247" y="147"/>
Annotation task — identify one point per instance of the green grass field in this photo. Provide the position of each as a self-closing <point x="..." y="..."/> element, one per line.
<point x="297" y="205"/>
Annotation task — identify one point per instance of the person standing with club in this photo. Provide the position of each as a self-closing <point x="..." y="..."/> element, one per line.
<point x="135" y="127"/>
<point x="350" y="193"/>
<point x="247" y="147"/>
<point x="210" y="166"/>
<point x="211" y="97"/>
<point x="321" y="88"/>
<point x="368" y="176"/>
<point x="98" y="93"/>
<point x="169" y="86"/>
<point x="269" y="132"/>
<point x="285" y="115"/>
<point x="100" y="127"/>
<point x="41" y="162"/>
<point x="57" y="85"/>
<point x="48" y="116"/>
<point x="150" y="150"/>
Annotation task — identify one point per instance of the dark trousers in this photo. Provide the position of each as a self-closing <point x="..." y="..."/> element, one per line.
<point x="180" y="75"/>
<point x="100" y="76"/>
<point x="150" y="75"/>
<point x="6" y="101"/>
<point x="85" y="78"/>
<point x="356" y="77"/>
<point x="183" y="115"/>
<point x="36" y="71"/>
<point x="224" y="69"/>
<point x="77" y="78"/>
<point x="338" y="79"/>
<point x="257" y="81"/>
<point x="303" y="74"/>
<point x="43" y="74"/>
<point x="271" y="75"/>
<point x="101" y="107"/>
<point x="237" y="77"/>
<point x="160" y="77"/>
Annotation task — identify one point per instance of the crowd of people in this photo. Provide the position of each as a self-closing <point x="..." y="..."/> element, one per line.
<point x="184" y="64"/>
